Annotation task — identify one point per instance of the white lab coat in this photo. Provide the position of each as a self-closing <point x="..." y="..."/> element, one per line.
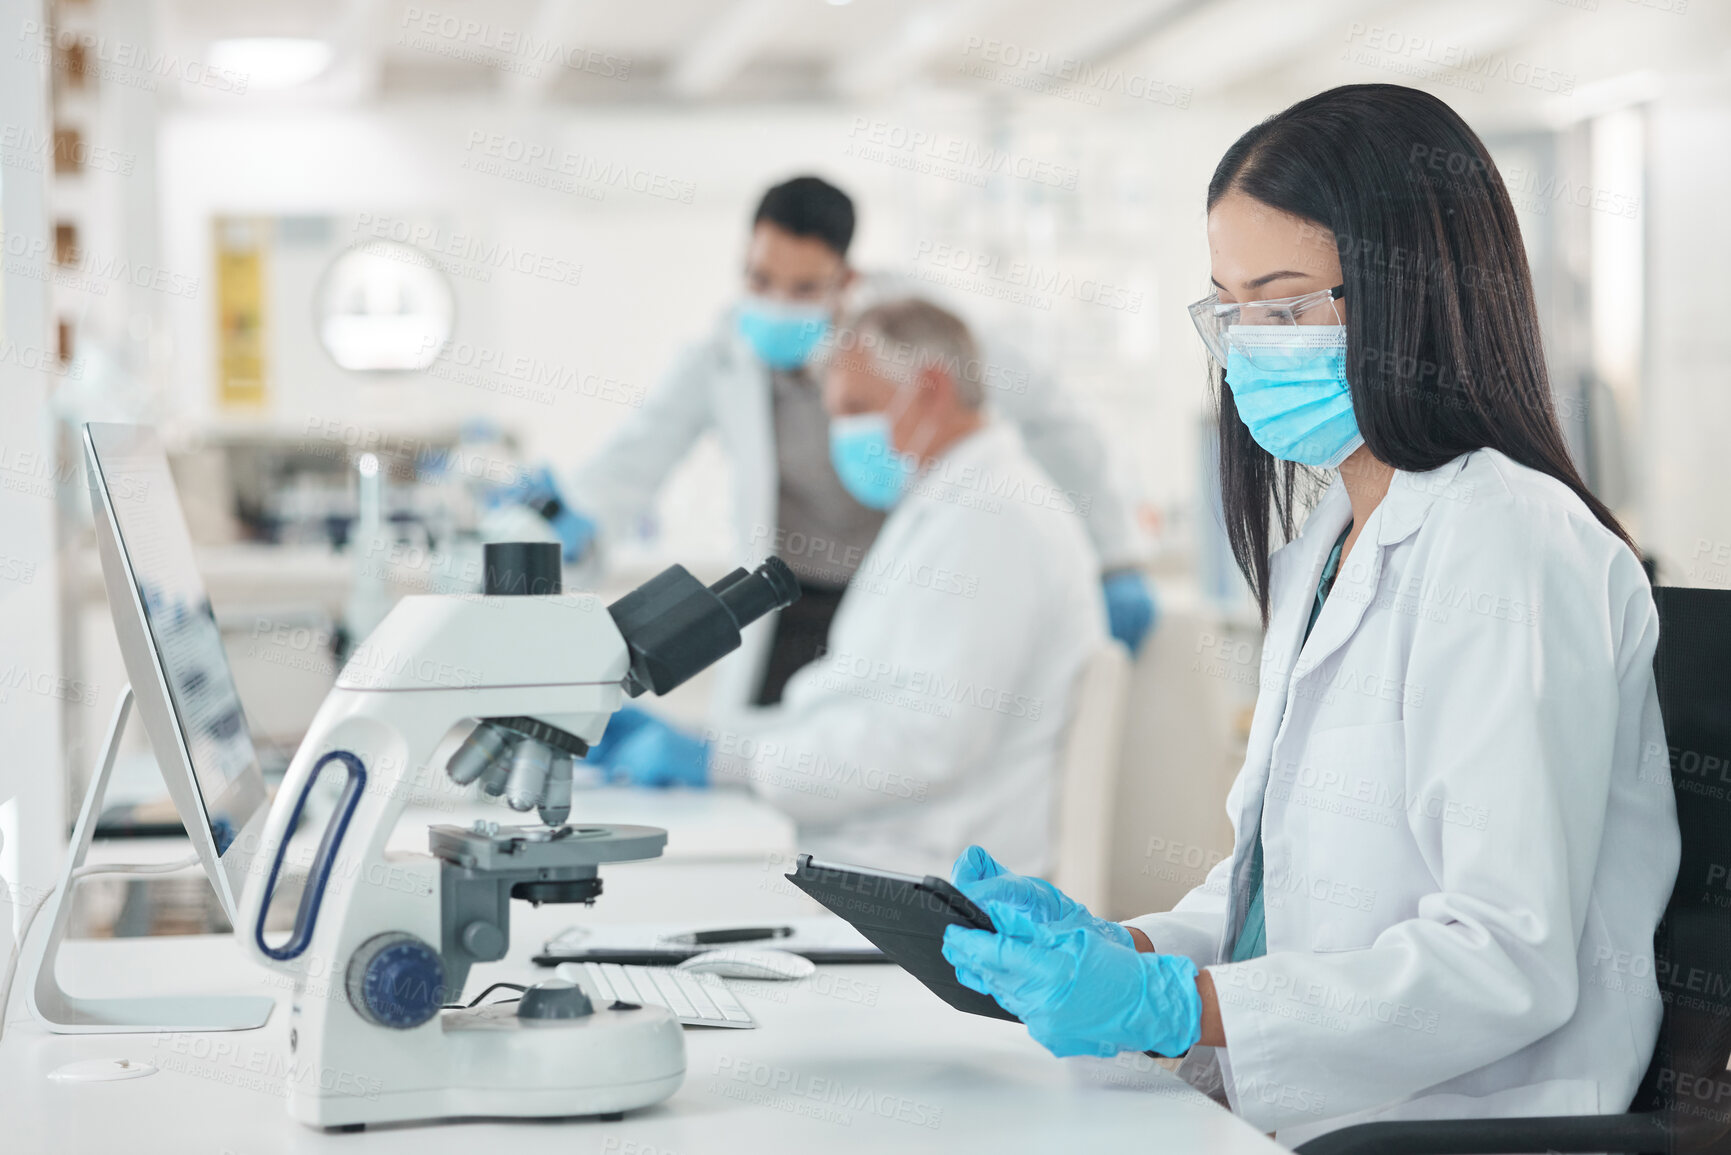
<point x="934" y="718"/>
<point x="1469" y="827"/>
<point x="719" y="384"/>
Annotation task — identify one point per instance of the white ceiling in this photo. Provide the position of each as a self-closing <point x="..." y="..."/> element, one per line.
<point x="1478" y="52"/>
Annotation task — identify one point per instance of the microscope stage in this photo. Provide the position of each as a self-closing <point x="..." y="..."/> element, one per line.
<point x="488" y="847"/>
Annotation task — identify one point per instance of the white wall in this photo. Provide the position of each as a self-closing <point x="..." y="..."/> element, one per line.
<point x="32" y="826"/>
<point x="656" y="271"/>
<point x="1687" y="419"/>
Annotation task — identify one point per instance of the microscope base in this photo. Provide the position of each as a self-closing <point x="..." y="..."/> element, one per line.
<point x="496" y="1065"/>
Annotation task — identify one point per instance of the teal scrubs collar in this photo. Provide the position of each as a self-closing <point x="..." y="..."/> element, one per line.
<point x="1252" y="939"/>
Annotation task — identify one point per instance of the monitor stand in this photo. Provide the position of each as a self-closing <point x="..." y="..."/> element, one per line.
<point x="69" y="1014"/>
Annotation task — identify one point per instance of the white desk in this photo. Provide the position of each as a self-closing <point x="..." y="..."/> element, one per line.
<point x="854" y="1059"/>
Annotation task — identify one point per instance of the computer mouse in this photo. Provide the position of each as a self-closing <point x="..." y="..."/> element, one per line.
<point x="733" y="963"/>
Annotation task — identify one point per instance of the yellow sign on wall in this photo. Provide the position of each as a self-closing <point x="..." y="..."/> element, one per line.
<point x="242" y="248"/>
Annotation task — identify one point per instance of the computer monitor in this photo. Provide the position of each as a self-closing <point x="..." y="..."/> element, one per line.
<point x="173" y="653"/>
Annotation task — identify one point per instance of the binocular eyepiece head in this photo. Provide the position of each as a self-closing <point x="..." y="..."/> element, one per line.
<point x="674" y="625"/>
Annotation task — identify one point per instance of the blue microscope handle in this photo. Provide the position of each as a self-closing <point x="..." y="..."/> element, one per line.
<point x="335" y="827"/>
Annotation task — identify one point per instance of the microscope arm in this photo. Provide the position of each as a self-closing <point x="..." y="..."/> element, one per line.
<point x="433" y="664"/>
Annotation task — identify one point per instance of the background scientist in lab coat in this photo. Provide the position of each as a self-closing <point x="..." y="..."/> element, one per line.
<point x="1456" y="798"/>
<point x="934" y="718"/>
<point x="749" y="381"/>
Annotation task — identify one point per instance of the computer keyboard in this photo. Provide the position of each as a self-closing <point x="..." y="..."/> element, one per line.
<point x="697" y="1000"/>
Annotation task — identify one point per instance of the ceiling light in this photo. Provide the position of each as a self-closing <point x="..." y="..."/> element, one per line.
<point x="272" y="61"/>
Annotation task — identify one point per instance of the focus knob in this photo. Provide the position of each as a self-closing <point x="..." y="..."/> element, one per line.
<point x="396" y="980"/>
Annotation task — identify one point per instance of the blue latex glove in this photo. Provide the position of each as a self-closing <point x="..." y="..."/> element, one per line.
<point x="626" y="721"/>
<point x="1078" y="992"/>
<point x="540" y="492"/>
<point x="1130" y="609"/>
<point x="986" y="880"/>
<point x="653" y="753"/>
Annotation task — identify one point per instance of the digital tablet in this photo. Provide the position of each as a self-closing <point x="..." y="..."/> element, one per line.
<point x="904" y="916"/>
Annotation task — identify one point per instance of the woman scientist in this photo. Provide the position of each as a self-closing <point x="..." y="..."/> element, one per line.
<point x="1456" y="809"/>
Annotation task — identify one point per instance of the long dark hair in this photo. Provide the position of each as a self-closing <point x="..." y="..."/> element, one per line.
<point x="1442" y="336"/>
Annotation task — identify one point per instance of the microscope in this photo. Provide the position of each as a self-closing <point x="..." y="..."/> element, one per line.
<point x="382" y="941"/>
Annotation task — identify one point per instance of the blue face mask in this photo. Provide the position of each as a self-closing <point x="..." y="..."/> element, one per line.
<point x="1289" y="384"/>
<point x="782" y="335"/>
<point x="867" y="463"/>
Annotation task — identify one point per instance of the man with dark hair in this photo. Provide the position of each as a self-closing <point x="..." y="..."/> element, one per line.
<point x="809" y="206"/>
<point x="751" y="383"/>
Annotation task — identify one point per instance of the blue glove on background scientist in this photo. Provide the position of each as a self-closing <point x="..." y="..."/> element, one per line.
<point x="537" y="490"/>
<point x="639" y="749"/>
<point x="1130" y="608"/>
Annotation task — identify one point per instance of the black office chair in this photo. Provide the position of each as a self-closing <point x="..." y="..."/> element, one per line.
<point x="1683" y="1106"/>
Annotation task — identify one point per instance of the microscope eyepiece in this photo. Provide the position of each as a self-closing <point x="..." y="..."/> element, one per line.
<point x="674" y="626"/>
<point x="748" y="596"/>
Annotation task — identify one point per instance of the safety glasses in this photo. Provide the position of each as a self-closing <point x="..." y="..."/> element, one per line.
<point x="1250" y="326"/>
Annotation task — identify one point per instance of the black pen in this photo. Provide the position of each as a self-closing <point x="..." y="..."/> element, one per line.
<point x="736" y="934"/>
